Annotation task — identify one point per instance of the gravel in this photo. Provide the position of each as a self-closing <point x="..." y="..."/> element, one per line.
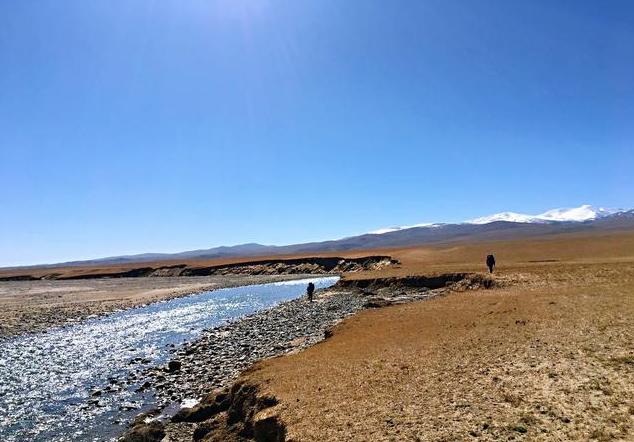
<point x="220" y="354"/>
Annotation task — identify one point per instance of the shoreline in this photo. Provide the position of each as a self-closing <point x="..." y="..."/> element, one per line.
<point x="218" y="358"/>
<point x="220" y="354"/>
<point x="43" y="311"/>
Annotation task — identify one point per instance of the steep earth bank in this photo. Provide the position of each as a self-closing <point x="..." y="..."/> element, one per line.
<point x="312" y="265"/>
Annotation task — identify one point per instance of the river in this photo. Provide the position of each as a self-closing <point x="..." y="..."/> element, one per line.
<point x="52" y="384"/>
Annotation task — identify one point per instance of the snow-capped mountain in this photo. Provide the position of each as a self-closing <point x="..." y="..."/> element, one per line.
<point x="582" y="213"/>
<point x="514" y="226"/>
<point x="576" y="214"/>
<point x="396" y="229"/>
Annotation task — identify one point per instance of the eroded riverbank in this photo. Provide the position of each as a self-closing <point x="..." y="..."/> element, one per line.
<point x="550" y="358"/>
<point x="213" y="362"/>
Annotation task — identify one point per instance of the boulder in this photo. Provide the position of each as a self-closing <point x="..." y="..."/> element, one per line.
<point x="207" y="408"/>
<point x="145" y="432"/>
<point x="174" y="366"/>
<point x="267" y="426"/>
<point x="204" y="429"/>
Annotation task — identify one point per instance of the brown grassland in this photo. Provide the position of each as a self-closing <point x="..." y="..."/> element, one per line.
<point x="546" y="355"/>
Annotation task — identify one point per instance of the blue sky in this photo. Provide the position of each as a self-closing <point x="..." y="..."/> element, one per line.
<point x="148" y="126"/>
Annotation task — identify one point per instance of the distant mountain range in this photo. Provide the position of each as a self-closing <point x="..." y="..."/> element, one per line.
<point x="500" y="226"/>
<point x="577" y="214"/>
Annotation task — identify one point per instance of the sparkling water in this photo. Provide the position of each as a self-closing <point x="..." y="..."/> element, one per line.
<point x="64" y="384"/>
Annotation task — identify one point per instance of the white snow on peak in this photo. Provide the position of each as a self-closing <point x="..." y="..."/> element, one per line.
<point x="504" y="216"/>
<point x="581" y="213"/>
<point x="395" y="229"/>
<point x="384" y="230"/>
<point x="585" y="212"/>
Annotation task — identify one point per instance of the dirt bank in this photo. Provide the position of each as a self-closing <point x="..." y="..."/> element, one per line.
<point x="273" y="266"/>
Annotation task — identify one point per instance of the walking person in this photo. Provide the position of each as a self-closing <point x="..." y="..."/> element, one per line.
<point x="310" y="290"/>
<point x="490" y="262"/>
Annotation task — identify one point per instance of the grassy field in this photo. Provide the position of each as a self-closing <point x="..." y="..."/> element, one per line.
<point x="548" y="355"/>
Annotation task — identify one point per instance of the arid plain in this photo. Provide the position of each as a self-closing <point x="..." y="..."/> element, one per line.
<point x="546" y="355"/>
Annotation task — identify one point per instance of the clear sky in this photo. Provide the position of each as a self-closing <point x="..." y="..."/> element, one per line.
<point x="157" y="126"/>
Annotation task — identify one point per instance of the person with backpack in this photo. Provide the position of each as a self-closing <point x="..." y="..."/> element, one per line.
<point x="490" y="262"/>
<point x="310" y="290"/>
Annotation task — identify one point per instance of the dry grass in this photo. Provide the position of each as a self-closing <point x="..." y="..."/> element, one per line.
<point x="512" y="256"/>
<point x="549" y="356"/>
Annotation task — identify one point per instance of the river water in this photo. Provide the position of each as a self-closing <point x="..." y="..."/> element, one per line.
<point x="66" y="384"/>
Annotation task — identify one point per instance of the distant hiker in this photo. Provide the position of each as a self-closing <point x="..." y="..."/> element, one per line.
<point x="310" y="290"/>
<point x="490" y="262"/>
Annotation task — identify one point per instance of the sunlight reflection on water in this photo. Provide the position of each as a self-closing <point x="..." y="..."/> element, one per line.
<point x="47" y="379"/>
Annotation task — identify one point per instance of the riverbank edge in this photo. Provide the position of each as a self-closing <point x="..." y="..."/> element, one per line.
<point x="71" y="320"/>
<point x="238" y="411"/>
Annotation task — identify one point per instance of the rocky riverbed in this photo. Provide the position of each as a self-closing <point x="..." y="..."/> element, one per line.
<point x="220" y="354"/>
<point x="215" y="360"/>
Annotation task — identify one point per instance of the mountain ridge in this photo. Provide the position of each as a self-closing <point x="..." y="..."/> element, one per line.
<point x="494" y="227"/>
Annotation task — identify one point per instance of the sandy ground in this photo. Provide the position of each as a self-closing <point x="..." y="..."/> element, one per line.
<point x="27" y="306"/>
<point x="548" y="356"/>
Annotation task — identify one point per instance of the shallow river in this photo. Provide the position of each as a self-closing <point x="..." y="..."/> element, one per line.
<point x="53" y="385"/>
